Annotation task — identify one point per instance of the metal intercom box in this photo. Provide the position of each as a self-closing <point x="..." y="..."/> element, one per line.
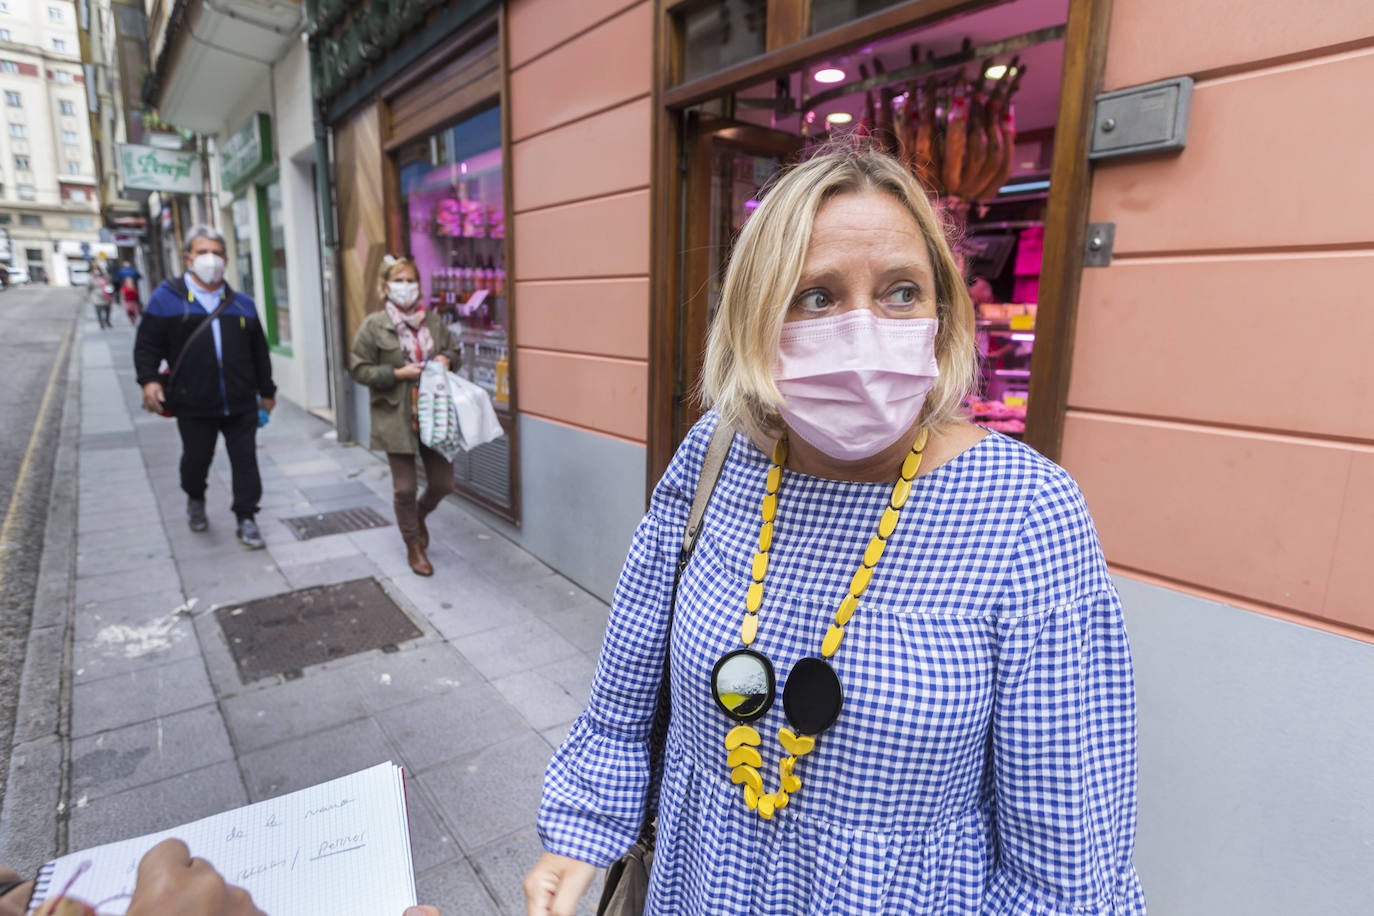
<point x="1142" y="120"/>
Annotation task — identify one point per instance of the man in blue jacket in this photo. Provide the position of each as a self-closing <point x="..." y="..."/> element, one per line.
<point x="220" y="375"/>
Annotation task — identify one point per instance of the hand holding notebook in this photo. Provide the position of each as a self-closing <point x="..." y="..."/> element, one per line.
<point x="342" y="847"/>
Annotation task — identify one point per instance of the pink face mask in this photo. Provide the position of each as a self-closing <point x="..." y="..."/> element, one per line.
<point x="854" y="384"/>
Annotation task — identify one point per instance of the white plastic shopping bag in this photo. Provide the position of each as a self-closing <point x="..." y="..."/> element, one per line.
<point x="477" y="422"/>
<point x="438" y="415"/>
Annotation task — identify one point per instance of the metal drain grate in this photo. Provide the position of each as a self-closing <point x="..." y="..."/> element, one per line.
<point x="286" y="633"/>
<point x="340" y="521"/>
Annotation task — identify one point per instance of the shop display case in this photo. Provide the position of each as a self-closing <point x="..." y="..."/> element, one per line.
<point x="453" y="200"/>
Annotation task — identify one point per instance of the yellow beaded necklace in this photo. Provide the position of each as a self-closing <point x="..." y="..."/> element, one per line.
<point x="743" y="681"/>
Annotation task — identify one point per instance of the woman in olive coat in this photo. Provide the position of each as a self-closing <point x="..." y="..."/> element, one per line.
<point x="389" y="352"/>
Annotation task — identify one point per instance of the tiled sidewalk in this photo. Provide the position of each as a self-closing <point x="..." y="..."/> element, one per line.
<point x="162" y="730"/>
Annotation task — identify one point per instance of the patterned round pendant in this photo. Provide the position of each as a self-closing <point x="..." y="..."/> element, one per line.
<point x="743" y="684"/>
<point x="812" y="696"/>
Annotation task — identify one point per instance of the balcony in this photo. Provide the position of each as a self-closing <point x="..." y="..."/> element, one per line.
<point x="211" y="52"/>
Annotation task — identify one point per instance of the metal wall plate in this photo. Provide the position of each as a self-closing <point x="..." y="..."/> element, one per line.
<point x="1142" y="120"/>
<point x="1098" y="250"/>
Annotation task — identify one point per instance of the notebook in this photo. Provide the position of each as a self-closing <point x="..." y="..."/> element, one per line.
<point x="340" y="848"/>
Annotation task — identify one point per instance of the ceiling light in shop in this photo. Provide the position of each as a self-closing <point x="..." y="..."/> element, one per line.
<point x="839" y="117"/>
<point x="996" y="71"/>
<point x="828" y="75"/>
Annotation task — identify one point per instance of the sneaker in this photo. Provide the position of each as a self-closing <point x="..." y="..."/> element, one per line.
<point x="195" y="514"/>
<point x="249" y="535"/>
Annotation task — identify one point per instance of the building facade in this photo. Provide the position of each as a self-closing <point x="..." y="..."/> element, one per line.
<point x="49" y="206"/>
<point x="114" y="47"/>
<point x="1204" y="382"/>
<point x="239" y="78"/>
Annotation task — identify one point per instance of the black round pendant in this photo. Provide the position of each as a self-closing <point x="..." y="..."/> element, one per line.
<point x="743" y="684"/>
<point x="812" y="697"/>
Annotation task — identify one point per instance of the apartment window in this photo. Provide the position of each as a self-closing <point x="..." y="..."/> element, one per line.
<point x="77" y="195"/>
<point x="69" y="137"/>
<point x="30" y="219"/>
<point x="21" y="163"/>
<point x="62" y="76"/>
<point x="26" y="192"/>
<point x="59" y="44"/>
<point x="66" y="107"/>
<point x="55" y="13"/>
<point x="8" y="66"/>
<point x="73" y="168"/>
<point x="83" y="223"/>
<point x="17" y="131"/>
<point x="14" y="99"/>
<point x="5" y="35"/>
<point x="4" y="7"/>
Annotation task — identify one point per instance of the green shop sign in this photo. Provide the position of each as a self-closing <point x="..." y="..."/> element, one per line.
<point x="149" y="168"/>
<point x="247" y="151"/>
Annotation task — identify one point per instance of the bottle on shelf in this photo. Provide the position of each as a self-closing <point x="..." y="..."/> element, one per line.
<point x="502" y="394"/>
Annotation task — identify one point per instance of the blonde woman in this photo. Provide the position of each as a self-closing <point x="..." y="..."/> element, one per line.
<point x="389" y="352"/>
<point x="899" y="678"/>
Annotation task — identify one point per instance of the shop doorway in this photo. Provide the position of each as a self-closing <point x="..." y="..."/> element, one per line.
<point x="729" y="161"/>
<point x="1014" y="80"/>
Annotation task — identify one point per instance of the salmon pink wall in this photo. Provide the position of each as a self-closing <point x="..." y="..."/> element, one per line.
<point x="580" y="81"/>
<point x="1221" y="406"/>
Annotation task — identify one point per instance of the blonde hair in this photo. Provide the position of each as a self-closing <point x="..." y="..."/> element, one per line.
<point x="765" y="268"/>
<point x="390" y="264"/>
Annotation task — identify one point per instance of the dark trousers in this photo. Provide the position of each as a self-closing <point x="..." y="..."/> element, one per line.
<point x="198" y="435"/>
<point x="405" y="484"/>
<point x="102" y="314"/>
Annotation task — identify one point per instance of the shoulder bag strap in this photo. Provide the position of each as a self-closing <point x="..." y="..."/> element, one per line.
<point x="209" y="320"/>
<point x="711" y="465"/>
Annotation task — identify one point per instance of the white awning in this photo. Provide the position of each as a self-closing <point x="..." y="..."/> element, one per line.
<point x="219" y="51"/>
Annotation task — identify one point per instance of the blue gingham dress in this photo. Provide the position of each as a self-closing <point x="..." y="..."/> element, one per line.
<point x="985" y="758"/>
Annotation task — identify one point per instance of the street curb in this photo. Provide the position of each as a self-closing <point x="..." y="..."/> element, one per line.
<point x="33" y="812"/>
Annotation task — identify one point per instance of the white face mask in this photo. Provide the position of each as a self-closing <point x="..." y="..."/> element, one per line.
<point x="403" y="292"/>
<point x="208" y="268"/>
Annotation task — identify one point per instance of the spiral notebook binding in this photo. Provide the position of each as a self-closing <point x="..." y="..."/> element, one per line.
<point x="41" y="885"/>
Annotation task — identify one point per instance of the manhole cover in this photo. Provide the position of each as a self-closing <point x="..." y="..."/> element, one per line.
<point x="285" y="633"/>
<point x="341" y="521"/>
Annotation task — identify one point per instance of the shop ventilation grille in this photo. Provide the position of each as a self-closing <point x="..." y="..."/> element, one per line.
<point x="340" y="521"/>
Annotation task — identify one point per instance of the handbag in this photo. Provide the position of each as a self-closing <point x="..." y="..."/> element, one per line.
<point x="626" y="890"/>
<point x="165" y="378"/>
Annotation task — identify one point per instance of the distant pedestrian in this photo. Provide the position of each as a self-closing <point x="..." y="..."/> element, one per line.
<point x="389" y="352"/>
<point x="127" y="270"/>
<point x="101" y="294"/>
<point x="219" y="379"/>
<point x="128" y="294"/>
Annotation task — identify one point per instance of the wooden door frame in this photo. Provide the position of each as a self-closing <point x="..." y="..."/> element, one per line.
<point x="703" y="134"/>
<point x="1085" y="52"/>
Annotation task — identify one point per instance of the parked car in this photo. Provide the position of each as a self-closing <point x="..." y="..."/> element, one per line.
<point x="19" y="276"/>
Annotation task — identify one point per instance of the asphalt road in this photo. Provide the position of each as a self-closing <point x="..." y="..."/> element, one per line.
<point x="34" y="324"/>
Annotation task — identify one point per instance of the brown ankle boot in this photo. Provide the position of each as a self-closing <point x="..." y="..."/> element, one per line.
<point x="424" y="529"/>
<point x="415" y="553"/>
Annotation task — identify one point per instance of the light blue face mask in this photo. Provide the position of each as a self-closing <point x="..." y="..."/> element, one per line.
<point x="403" y="293"/>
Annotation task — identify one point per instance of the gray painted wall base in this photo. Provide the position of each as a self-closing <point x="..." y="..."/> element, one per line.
<point x="361" y="404"/>
<point x="1256" y="748"/>
<point x="581" y="498"/>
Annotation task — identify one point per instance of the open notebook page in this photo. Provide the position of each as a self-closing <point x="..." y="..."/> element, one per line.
<point x="340" y="848"/>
